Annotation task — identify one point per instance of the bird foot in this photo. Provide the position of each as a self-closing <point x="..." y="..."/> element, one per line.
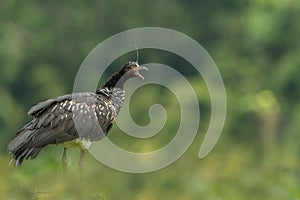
<point x="64" y="160"/>
<point x="81" y="165"/>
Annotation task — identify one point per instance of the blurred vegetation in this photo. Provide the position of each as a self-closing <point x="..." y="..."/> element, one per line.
<point x="256" y="47"/>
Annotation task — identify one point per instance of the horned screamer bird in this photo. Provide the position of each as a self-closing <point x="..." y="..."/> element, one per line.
<point x="73" y="120"/>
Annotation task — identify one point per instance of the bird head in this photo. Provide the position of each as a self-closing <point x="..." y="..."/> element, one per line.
<point x="129" y="70"/>
<point x="132" y="69"/>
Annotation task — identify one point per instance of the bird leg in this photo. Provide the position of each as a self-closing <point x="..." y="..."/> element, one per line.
<point x="81" y="164"/>
<point x="64" y="160"/>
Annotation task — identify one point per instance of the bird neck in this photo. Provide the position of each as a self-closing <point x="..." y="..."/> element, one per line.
<point x="117" y="80"/>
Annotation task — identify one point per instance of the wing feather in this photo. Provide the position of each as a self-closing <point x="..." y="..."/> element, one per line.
<point x="61" y="119"/>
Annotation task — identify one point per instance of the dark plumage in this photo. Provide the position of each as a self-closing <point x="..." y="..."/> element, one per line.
<point x="73" y="119"/>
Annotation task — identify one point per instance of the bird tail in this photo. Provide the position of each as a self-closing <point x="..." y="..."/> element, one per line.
<point x="19" y="147"/>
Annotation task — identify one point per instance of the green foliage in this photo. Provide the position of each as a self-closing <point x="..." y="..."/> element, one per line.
<point x="256" y="47"/>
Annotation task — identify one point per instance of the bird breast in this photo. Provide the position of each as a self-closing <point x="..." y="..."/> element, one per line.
<point x="82" y="143"/>
<point x="118" y="98"/>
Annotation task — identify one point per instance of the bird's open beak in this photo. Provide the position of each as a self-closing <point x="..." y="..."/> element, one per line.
<point x="137" y="71"/>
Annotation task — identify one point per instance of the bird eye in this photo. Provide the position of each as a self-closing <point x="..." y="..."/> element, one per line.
<point x="132" y="66"/>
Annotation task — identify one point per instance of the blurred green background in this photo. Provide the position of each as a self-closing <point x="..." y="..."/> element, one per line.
<point x="254" y="43"/>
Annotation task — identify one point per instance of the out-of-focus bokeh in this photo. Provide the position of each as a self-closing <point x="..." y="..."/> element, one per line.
<point x="254" y="43"/>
